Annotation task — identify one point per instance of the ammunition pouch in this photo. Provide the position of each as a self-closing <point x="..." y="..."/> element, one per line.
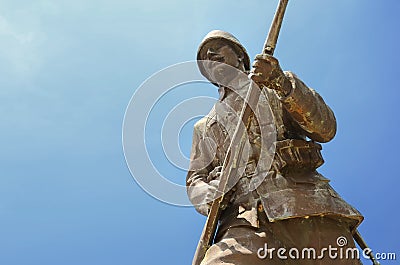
<point x="295" y="154"/>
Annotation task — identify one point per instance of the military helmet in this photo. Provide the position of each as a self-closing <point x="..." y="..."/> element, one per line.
<point x="218" y="35"/>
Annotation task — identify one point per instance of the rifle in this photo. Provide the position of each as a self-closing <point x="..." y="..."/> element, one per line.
<point x="234" y="152"/>
<point x="360" y="241"/>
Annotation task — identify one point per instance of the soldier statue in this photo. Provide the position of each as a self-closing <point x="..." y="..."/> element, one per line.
<point x="294" y="206"/>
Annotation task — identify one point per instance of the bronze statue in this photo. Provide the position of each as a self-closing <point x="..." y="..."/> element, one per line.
<point x="294" y="206"/>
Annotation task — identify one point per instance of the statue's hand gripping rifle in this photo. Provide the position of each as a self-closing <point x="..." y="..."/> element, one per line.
<point x="234" y="152"/>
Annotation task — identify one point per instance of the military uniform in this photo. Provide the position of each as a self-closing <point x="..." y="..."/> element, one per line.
<point x="294" y="206"/>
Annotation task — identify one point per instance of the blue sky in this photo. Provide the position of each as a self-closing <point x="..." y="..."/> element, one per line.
<point x="69" y="68"/>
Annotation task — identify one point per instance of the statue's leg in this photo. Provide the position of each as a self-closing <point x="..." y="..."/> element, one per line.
<point x="241" y="246"/>
<point x="317" y="240"/>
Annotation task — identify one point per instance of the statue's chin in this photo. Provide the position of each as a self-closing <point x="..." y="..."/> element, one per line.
<point x="224" y="75"/>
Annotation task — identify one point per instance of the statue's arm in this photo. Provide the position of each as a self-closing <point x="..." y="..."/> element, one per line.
<point x="199" y="188"/>
<point x="309" y="110"/>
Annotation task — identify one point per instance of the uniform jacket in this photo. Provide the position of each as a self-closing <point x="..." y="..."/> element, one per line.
<point x="290" y="186"/>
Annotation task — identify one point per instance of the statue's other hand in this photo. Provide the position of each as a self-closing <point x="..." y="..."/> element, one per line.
<point x="211" y="193"/>
<point x="215" y="173"/>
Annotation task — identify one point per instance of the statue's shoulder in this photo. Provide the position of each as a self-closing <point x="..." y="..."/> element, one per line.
<point x="204" y="123"/>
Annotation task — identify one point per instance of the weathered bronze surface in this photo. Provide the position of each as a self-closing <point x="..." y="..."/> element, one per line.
<point x="294" y="205"/>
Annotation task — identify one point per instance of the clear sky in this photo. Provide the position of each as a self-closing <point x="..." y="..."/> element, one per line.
<point x="68" y="70"/>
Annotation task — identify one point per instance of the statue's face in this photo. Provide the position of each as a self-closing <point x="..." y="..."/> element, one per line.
<point x="225" y="54"/>
<point x="224" y="63"/>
